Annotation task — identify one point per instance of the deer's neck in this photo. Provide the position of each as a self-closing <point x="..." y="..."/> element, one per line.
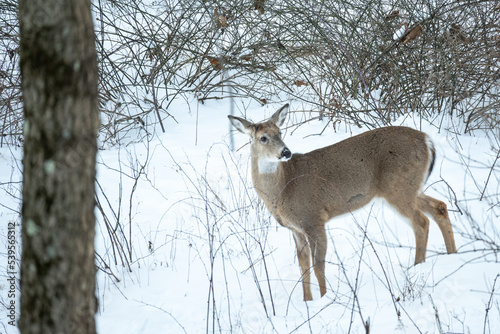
<point x="267" y="178"/>
<point x="264" y="169"/>
<point x="266" y="166"/>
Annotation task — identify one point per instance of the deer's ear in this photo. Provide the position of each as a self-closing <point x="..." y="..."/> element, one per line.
<point x="241" y="124"/>
<point x="279" y="117"/>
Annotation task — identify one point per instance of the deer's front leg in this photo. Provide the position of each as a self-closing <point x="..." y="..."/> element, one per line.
<point x="304" y="256"/>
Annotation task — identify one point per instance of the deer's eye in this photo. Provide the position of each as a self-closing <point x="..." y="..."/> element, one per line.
<point x="263" y="139"/>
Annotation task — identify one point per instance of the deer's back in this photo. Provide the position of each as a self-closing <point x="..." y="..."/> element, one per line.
<point x="347" y="175"/>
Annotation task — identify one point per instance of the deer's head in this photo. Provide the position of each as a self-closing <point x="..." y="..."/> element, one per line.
<point x="267" y="145"/>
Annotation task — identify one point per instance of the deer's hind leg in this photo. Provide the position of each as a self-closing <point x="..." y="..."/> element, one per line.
<point x="304" y="255"/>
<point x="438" y="211"/>
<point x="420" y="225"/>
<point x="419" y="222"/>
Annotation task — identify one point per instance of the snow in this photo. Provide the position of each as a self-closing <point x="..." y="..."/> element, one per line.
<point x="207" y="256"/>
<point x="399" y="33"/>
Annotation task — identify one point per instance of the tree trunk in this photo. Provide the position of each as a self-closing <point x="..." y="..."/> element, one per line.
<point x="59" y="83"/>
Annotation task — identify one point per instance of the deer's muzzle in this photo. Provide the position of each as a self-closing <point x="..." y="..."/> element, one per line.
<point x="286" y="153"/>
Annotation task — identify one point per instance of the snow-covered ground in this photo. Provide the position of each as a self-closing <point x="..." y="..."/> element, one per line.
<point x="207" y="256"/>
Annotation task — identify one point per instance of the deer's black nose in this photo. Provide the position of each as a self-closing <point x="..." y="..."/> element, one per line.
<point x="286" y="153"/>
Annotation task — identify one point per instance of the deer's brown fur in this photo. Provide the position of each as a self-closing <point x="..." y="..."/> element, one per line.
<point x="304" y="191"/>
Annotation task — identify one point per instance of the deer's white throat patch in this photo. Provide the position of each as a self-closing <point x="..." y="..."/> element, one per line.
<point x="268" y="166"/>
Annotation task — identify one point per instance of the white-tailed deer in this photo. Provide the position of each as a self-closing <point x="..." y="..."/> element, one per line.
<point x="304" y="191"/>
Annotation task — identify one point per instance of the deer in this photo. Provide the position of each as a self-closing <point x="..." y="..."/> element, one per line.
<point x="305" y="191"/>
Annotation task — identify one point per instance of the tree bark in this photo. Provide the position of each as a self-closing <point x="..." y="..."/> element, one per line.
<point x="59" y="83"/>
